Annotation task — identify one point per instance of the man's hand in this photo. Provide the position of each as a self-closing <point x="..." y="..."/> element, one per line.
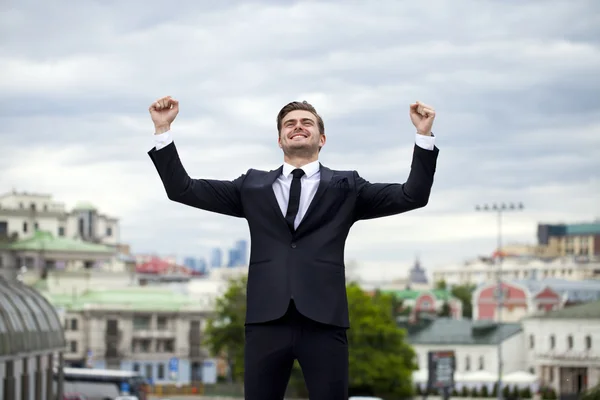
<point x="163" y="112"/>
<point x="422" y="117"/>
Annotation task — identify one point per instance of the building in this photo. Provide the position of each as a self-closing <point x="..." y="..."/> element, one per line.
<point x="417" y="276"/>
<point x="31" y="340"/>
<point x="581" y="239"/>
<point x="430" y="302"/>
<point x="216" y="258"/>
<point x="42" y="251"/>
<point x="564" y="347"/>
<point x="238" y="254"/>
<point x="22" y="214"/>
<point x="484" y="270"/>
<point x="525" y="297"/>
<point x="145" y="329"/>
<point x="475" y="344"/>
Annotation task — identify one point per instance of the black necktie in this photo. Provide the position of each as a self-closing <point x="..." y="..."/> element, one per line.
<point x="294" y="202"/>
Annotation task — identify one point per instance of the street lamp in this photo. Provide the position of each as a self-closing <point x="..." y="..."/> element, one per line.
<point x="499" y="209"/>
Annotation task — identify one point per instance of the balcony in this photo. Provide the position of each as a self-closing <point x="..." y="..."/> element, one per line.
<point x="113" y="352"/>
<point x="149" y="333"/>
<point x="113" y="336"/>
<point x="196" y="352"/>
<point x="195" y="338"/>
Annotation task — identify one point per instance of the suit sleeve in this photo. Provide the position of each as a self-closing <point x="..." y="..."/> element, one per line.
<point x="218" y="196"/>
<point x="375" y="200"/>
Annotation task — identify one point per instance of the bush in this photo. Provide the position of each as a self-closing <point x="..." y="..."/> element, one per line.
<point x="485" y="391"/>
<point x="464" y="392"/>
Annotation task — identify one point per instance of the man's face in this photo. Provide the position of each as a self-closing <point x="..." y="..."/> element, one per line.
<point x="300" y="134"/>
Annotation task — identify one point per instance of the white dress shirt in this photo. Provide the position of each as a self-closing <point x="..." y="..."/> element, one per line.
<point x="309" y="181"/>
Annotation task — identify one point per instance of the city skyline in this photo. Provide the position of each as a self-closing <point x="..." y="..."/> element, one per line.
<point x="518" y="115"/>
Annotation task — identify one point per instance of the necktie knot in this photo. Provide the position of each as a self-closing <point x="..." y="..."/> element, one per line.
<point x="298" y="173"/>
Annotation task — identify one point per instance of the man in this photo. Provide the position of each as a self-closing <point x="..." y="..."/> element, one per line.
<point x="299" y="216"/>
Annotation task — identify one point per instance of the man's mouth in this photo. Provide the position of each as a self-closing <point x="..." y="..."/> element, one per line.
<point x="298" y="135"/>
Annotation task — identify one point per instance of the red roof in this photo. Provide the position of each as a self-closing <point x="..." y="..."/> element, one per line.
<point x="161" y="267"/>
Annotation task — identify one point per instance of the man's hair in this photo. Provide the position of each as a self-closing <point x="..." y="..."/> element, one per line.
<point x="296" y="105"/>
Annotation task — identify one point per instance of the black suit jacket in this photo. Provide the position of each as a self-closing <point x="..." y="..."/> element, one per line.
<point x="307" y="264"/>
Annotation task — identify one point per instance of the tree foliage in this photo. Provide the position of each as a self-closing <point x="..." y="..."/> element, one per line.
<point x="380" y="360"/>
<point x="224" y="334"/>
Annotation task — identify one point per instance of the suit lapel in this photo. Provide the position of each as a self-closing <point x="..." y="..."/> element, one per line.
<point x="325" y="179"/>
<point x="270" y="179"/>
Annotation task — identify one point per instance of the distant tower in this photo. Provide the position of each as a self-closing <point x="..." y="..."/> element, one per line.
<point x="417" y="275"/>
<point x="216" y="258"/>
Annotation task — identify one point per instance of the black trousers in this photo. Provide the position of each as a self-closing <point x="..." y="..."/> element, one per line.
<point x="272" y="347"/>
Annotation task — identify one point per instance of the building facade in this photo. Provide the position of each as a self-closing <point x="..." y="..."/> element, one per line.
<point x="564" y="347"/>
<point x="43" y="252"/>
<point x="22" y="214"/>
<point x="526" y="297"/>
<point x="475" y="344"/>
<point x="581" y="239"/>
<point x="484" y="270"/>
<point x="152" y="330"/>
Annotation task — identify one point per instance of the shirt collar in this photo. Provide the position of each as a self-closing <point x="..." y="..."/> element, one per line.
<point x="309" y="169"/>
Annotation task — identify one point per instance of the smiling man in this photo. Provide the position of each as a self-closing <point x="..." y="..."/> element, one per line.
<point x="299" y="216"/>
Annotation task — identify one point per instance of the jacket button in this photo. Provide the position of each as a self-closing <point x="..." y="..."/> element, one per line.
<point x="293" y="245"/>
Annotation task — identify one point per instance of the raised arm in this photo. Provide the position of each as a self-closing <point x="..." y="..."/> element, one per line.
<point x="220" y="196"/>
<point x="376" y="200"/>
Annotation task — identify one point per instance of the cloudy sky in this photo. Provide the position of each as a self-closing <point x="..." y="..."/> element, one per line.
<point x="515" y="85"/>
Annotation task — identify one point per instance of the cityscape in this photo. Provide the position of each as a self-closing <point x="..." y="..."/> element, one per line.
<point x="451" y="249"/>
<point x="146" y="313"/>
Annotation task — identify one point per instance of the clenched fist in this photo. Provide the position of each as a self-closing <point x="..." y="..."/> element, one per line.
<point x="163" y="112"/>
<point x="422" y="117"/>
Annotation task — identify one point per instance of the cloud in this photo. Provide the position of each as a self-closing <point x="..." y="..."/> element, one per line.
<point x="514" y="85"/>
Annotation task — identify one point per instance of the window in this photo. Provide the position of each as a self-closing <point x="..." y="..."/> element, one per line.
<point x="552" y="342"/>
<point x="161" y="371"/>
<point x="109" y="231"/>
<point x="24" y="227"/>
<point x="531" y="341"/>
<point x="73" y="324"/>
<point x="481" y="363"/>
<point x="61" y="231"/>
<point x="570" y="342"/>
<point x="136" y="367"/>
<point x="149" y="371"/>
<point x="162" y="323"/>
<point x="467" y="363"/>
<point x="73" y="346"/>
<point x="141" y="322"/>
<point x="588" y="342"/>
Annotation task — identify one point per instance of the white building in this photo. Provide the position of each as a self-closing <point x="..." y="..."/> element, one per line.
<point x="564" y="347"/>
<point x="475" y="344"/>
<point x="480" y="271"/>
<point x="22" y="214"/>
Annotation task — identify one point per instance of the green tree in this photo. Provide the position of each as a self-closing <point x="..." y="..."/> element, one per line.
<point x="464" y="293"/>
<point x="224" y="334"/>
<point x="441" y="285"/>
<point x="381" y="361"/>
<point x="446" y="310"/>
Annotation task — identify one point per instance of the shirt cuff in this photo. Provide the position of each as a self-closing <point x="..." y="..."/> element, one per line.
<point x="162" y="140"/>
<point x="425" y="142"/>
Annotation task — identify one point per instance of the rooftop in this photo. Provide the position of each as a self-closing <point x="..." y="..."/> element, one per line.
<point x="412" y="294"/>
<point x="133" y="298"/>
<point x="461" y="332"/>
<point x="582" y="311"/>
<point x="45" y="241"/>
<point x="28" y="323"/>
<point x="84" y="206"/>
